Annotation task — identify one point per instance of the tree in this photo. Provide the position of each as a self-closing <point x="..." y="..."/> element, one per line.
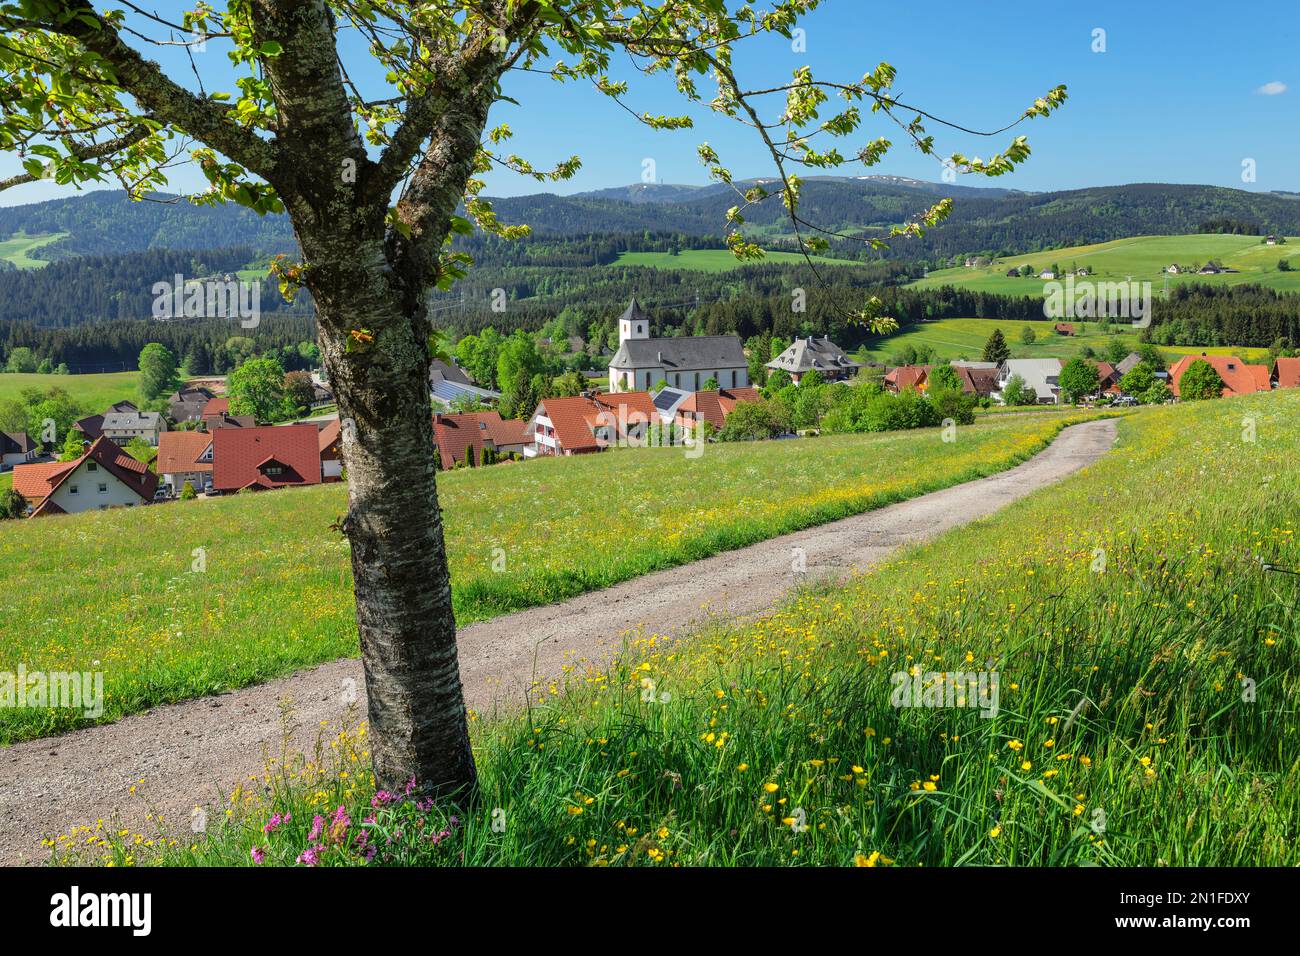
<point x="299" y="390"/>
<point x="1283" y="265"/>
<point x="1199" y="382"/>
<point x="46" y="367"/>
<point x="1157" y="394"/>
<point x="710" y="385"/>
<point x="1079" y="379"/>
<point x="21" y="359"/>
<point x="158" y="372"/>
<point x="1137" y="379"/>
<point x="257" y="388"/>
<point x="372" y="187"/>
<point x="943" y="376"/>
<point x="1027" y="336"/>
<point x="1015" y="392"/>
<point x="995" y="349"/>
<point x="74" y="446"/>
<point x="12" y="504"/>
<point x="187" y="492"/>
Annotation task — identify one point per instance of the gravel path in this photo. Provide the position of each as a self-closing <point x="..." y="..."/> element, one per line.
<point x="190" y="753"/>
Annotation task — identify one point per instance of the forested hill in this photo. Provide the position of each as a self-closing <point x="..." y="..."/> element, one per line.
<point x="987" y="221"/>
<point x="107" y="223"/>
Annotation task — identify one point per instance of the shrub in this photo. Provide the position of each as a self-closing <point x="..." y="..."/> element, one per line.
<point x="1200" y="381"/>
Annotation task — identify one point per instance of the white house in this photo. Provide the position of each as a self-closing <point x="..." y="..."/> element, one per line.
<point x="103" y="477"/>
<point x="685" y="362"/>
<point x="16" y="448"/>
<point x="121" y="427"/>
<point x="1042" y="376"/>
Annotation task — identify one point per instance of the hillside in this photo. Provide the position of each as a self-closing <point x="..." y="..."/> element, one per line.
<point x="1142" y="258"/>
<point x="984" y="220"/>
<point x="964" y="339"/>
<point x="1101" y="677"/>
<point x="274" y="591"/>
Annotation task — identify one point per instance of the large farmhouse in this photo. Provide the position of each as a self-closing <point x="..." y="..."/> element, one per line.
<point x="812" y="354"/>
<point x="684" y="362"/>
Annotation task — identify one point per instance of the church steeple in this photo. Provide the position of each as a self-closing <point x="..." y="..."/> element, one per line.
<point x="634" y="323"/>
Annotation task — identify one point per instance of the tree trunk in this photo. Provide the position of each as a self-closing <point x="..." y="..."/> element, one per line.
<point x="399" y="567"/>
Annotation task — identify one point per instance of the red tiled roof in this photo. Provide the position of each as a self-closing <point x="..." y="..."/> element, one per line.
<point x="36" y="481"/>
<point x="1065" y="328"/>
<point x="453" y="433"/>
<point x="574" y="420"/>
<point x="714" y="407"/>
<point x="456" y="434"/>
<point x="217" y="406"/>
<point x="179" y="451"/>
<point x="44" y="481"/>
<point x="977" y="381"/>
<point x="240" y="455"/>
<point x="226" y="420"/>
<point x="1238" y="377"/>
<point x="907" y="376"/>
<point x="327" y="440"/>
<point x="1288" y="372"/>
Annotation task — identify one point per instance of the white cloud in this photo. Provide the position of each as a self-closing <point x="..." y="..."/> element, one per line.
<point x="1272" y="89"/>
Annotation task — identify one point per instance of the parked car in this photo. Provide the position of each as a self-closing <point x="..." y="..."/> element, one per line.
<point x="161" y="494"/>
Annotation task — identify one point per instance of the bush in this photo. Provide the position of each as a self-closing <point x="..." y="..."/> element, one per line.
<point x="750" y="421"/>
<point x="187" y="492"/>
<point x="1200" y="381"/>
<point x="953" y="403"/>
<point x="12" y="504"/>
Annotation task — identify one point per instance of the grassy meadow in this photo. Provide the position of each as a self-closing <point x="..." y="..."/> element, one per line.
<point x="1139" y="621"/>
<point x="93" y="392"/>
<point x="183" y="599"/>
<point x="965" y="338"/>
<point x="717" y="260"/>
<point x="21" y="249"/>
<point x="1143" y="258"/>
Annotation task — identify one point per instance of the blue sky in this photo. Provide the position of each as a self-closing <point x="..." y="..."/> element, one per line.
<point x="1174" y="97"/>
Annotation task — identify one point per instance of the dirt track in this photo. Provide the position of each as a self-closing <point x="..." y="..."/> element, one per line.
<point x="189" y="753"/>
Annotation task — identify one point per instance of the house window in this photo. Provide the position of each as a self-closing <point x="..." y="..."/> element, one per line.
<point x="72" y="489"/>
<point x="274" y="470"/>
<point x="103" y="487"/>
<point x="91" y="466"/>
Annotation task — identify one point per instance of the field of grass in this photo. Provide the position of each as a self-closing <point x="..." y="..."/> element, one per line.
<point x="19" y="248"/>
<point x="117" y="590"/>
<point x="1143" y="258"/>
<point x="965" y="338"/>
<point x="91" y="392"/>
<point x="1145" y="657"/>
<point x="715" y="260"/>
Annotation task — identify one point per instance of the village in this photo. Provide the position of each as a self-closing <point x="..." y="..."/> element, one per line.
<point x="659" y="391"/>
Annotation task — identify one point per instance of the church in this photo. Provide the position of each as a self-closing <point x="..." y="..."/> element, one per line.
<point x="684" y="362"/>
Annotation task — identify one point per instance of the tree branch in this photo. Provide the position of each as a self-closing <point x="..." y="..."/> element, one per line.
<point x="201" y="118"/>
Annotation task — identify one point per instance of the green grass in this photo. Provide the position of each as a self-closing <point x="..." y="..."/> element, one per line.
<point x="1147" y="664"/>
<point x="19" y="247"/>
<point x="965" y="338"/>
<point x="115" y="590"/>
<point x="716" y="260"/>
<point x="1143" y="258"/>
<point x="92" y="392"/>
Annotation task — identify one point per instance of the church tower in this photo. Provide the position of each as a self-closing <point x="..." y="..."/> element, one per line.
<point x="634" y="323"/>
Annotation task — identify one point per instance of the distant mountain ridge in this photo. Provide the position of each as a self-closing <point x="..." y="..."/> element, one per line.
<point x="984" y="220"/>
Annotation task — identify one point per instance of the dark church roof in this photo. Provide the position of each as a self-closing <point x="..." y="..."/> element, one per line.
<point x="683" y="353"/>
